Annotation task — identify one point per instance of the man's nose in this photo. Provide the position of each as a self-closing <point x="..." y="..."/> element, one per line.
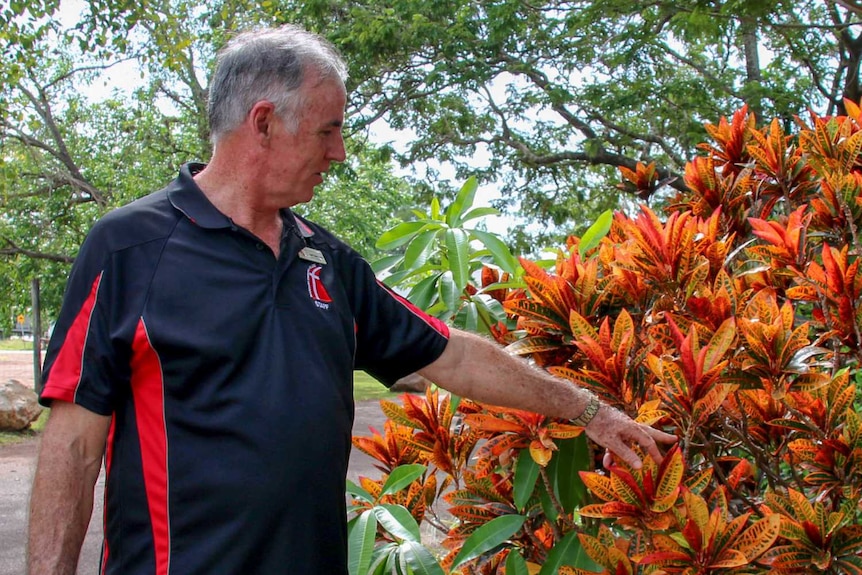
<point x="336" y="151"/>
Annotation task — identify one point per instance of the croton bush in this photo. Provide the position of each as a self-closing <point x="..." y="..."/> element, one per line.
<point x="731" y="317"/>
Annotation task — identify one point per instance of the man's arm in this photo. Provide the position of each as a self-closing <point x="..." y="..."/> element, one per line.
<point x="474" y="367"/>
<point x="61" y="502"/>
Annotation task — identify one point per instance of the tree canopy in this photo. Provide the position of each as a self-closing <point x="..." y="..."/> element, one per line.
<point x="558" y="95"/>
<point x="545" y="100"/>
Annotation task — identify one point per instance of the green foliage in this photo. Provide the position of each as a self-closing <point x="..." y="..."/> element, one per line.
<point x="404" y="554"/>
<point x="440" y="258"/>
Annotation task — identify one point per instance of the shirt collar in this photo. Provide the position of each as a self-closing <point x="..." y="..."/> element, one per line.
<point x="185" y="195"/>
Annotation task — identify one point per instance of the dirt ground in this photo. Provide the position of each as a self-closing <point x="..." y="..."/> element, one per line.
<point x="16" y="470"/>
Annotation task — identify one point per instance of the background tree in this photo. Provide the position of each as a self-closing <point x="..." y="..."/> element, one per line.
<point x="558" y="94"/>
<point x="102" y="110"/>
<point x="547" y="99"/>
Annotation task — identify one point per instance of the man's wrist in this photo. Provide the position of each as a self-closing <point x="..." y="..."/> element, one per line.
<point x="589" y="412"/>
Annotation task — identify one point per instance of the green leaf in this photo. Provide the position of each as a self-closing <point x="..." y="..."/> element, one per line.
<point x="360" y="543"/>
<point x="435" y="209"/>
<point x="401" y="477"/>
<point x="454" y="402"/>
<point x="399" y="277"/>
<point x="569" y="552"/>
<point x="468" y="317"/>
<point x="449" y="295"/>
<point x="457" y="249"/>
<point x="526" y="475"/>
<point x="419" y="249"/>
<point x="358" y="492"/>
<point x="502" y="254"/>
<point x="397" y="521"/>
<point x="596" y="232"/>
<point x="399" y="235"/>
<point x="384" y="263"/>
<point x="494" y="307"/>
<point x="419" y="559"/>
<point x="548" y="506"/>
<point x="515" y="564"/>
<point x="463" y="202"/>
<point x="504" y="285"/>
<point x="487" y="316"/>
<point x="480" y="213"/>
<point x="488" y="536"/>
<point x="382" y="562"/>
<point x="422" y="294"/>
<point x="572" y="457"/>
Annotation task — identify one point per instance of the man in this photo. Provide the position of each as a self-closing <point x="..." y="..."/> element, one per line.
<point x="207" y="343"/>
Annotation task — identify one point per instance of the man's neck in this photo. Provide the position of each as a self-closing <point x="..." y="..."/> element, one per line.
<point x="239" y="201"/>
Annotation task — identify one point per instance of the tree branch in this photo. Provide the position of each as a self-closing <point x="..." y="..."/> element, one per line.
<point x="13" y="249"/>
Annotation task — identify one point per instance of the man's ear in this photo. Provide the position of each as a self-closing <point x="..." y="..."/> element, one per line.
<point x="261" y="119"/>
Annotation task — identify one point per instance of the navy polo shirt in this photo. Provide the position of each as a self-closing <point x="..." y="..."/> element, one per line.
<point x="228" y="376"/>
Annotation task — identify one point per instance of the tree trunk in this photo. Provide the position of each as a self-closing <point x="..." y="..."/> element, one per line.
<point x="753" y="77"/>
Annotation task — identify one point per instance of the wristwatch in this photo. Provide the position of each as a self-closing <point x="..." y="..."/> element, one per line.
<point x="589" y="412"/>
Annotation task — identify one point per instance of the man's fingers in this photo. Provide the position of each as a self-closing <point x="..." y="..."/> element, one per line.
<point x="622" y="451"/>
<point x="645" y="436"/>
<point x="661" y="436"/>
<point x="616" y="432"/>
<point x="650" y="442"/>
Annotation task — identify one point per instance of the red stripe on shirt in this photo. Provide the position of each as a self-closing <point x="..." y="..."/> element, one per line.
<point x="65" y="375"/>
<point x="432" y="321"/>
<point x="148" y="394"/>
<point x="109" y="458"/>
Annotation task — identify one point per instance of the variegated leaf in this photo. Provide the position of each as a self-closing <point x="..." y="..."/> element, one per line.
<point x="759" y="537"/>
<point x="698" y="512"/>
<point x="533" y="344"/>
<point x="596" y="510"/>
<point x="595" y="550"/>
<point x="671" y="472"/>
<point x="599" y="485"/>
<point x="705" y="407"/>
<point x="626" y="488"/>
<point x="697" y="483"/>
<point x="729" y="559"/>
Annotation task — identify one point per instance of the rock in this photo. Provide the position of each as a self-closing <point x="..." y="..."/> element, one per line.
<point x="413" y="383"/>
<point x="19" y="406"/>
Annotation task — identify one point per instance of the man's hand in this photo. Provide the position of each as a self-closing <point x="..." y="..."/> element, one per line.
<point x="616" y="432"/>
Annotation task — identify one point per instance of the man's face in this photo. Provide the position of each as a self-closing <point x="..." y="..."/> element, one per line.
<point x="301" y="157"/>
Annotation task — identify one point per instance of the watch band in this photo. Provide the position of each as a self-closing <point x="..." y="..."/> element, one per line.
<point x="589" y="412"/>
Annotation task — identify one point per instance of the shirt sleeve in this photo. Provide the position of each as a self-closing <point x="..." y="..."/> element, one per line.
<point x="80" y="362"/>
<point x="394" y="338"/>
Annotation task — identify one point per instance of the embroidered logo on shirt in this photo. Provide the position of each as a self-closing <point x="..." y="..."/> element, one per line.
<point x="316" y="289"/>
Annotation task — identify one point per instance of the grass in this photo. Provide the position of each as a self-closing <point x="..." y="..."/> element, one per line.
<point x="365" y="388"/>
<point x="9" y="437"/>
<point x="15" y="344"/>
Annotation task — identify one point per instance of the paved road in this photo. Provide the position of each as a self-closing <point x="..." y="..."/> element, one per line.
<point x="16" y="468"/>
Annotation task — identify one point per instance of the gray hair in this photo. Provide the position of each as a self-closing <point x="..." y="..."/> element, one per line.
<point x="268" y="64"/>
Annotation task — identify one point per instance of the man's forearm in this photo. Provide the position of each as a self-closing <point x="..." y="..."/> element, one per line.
<point x="481" y="370"/>
<point x="60" y="509"/>
<point x="492" y="376"/>
<point x="61" y="501"/>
